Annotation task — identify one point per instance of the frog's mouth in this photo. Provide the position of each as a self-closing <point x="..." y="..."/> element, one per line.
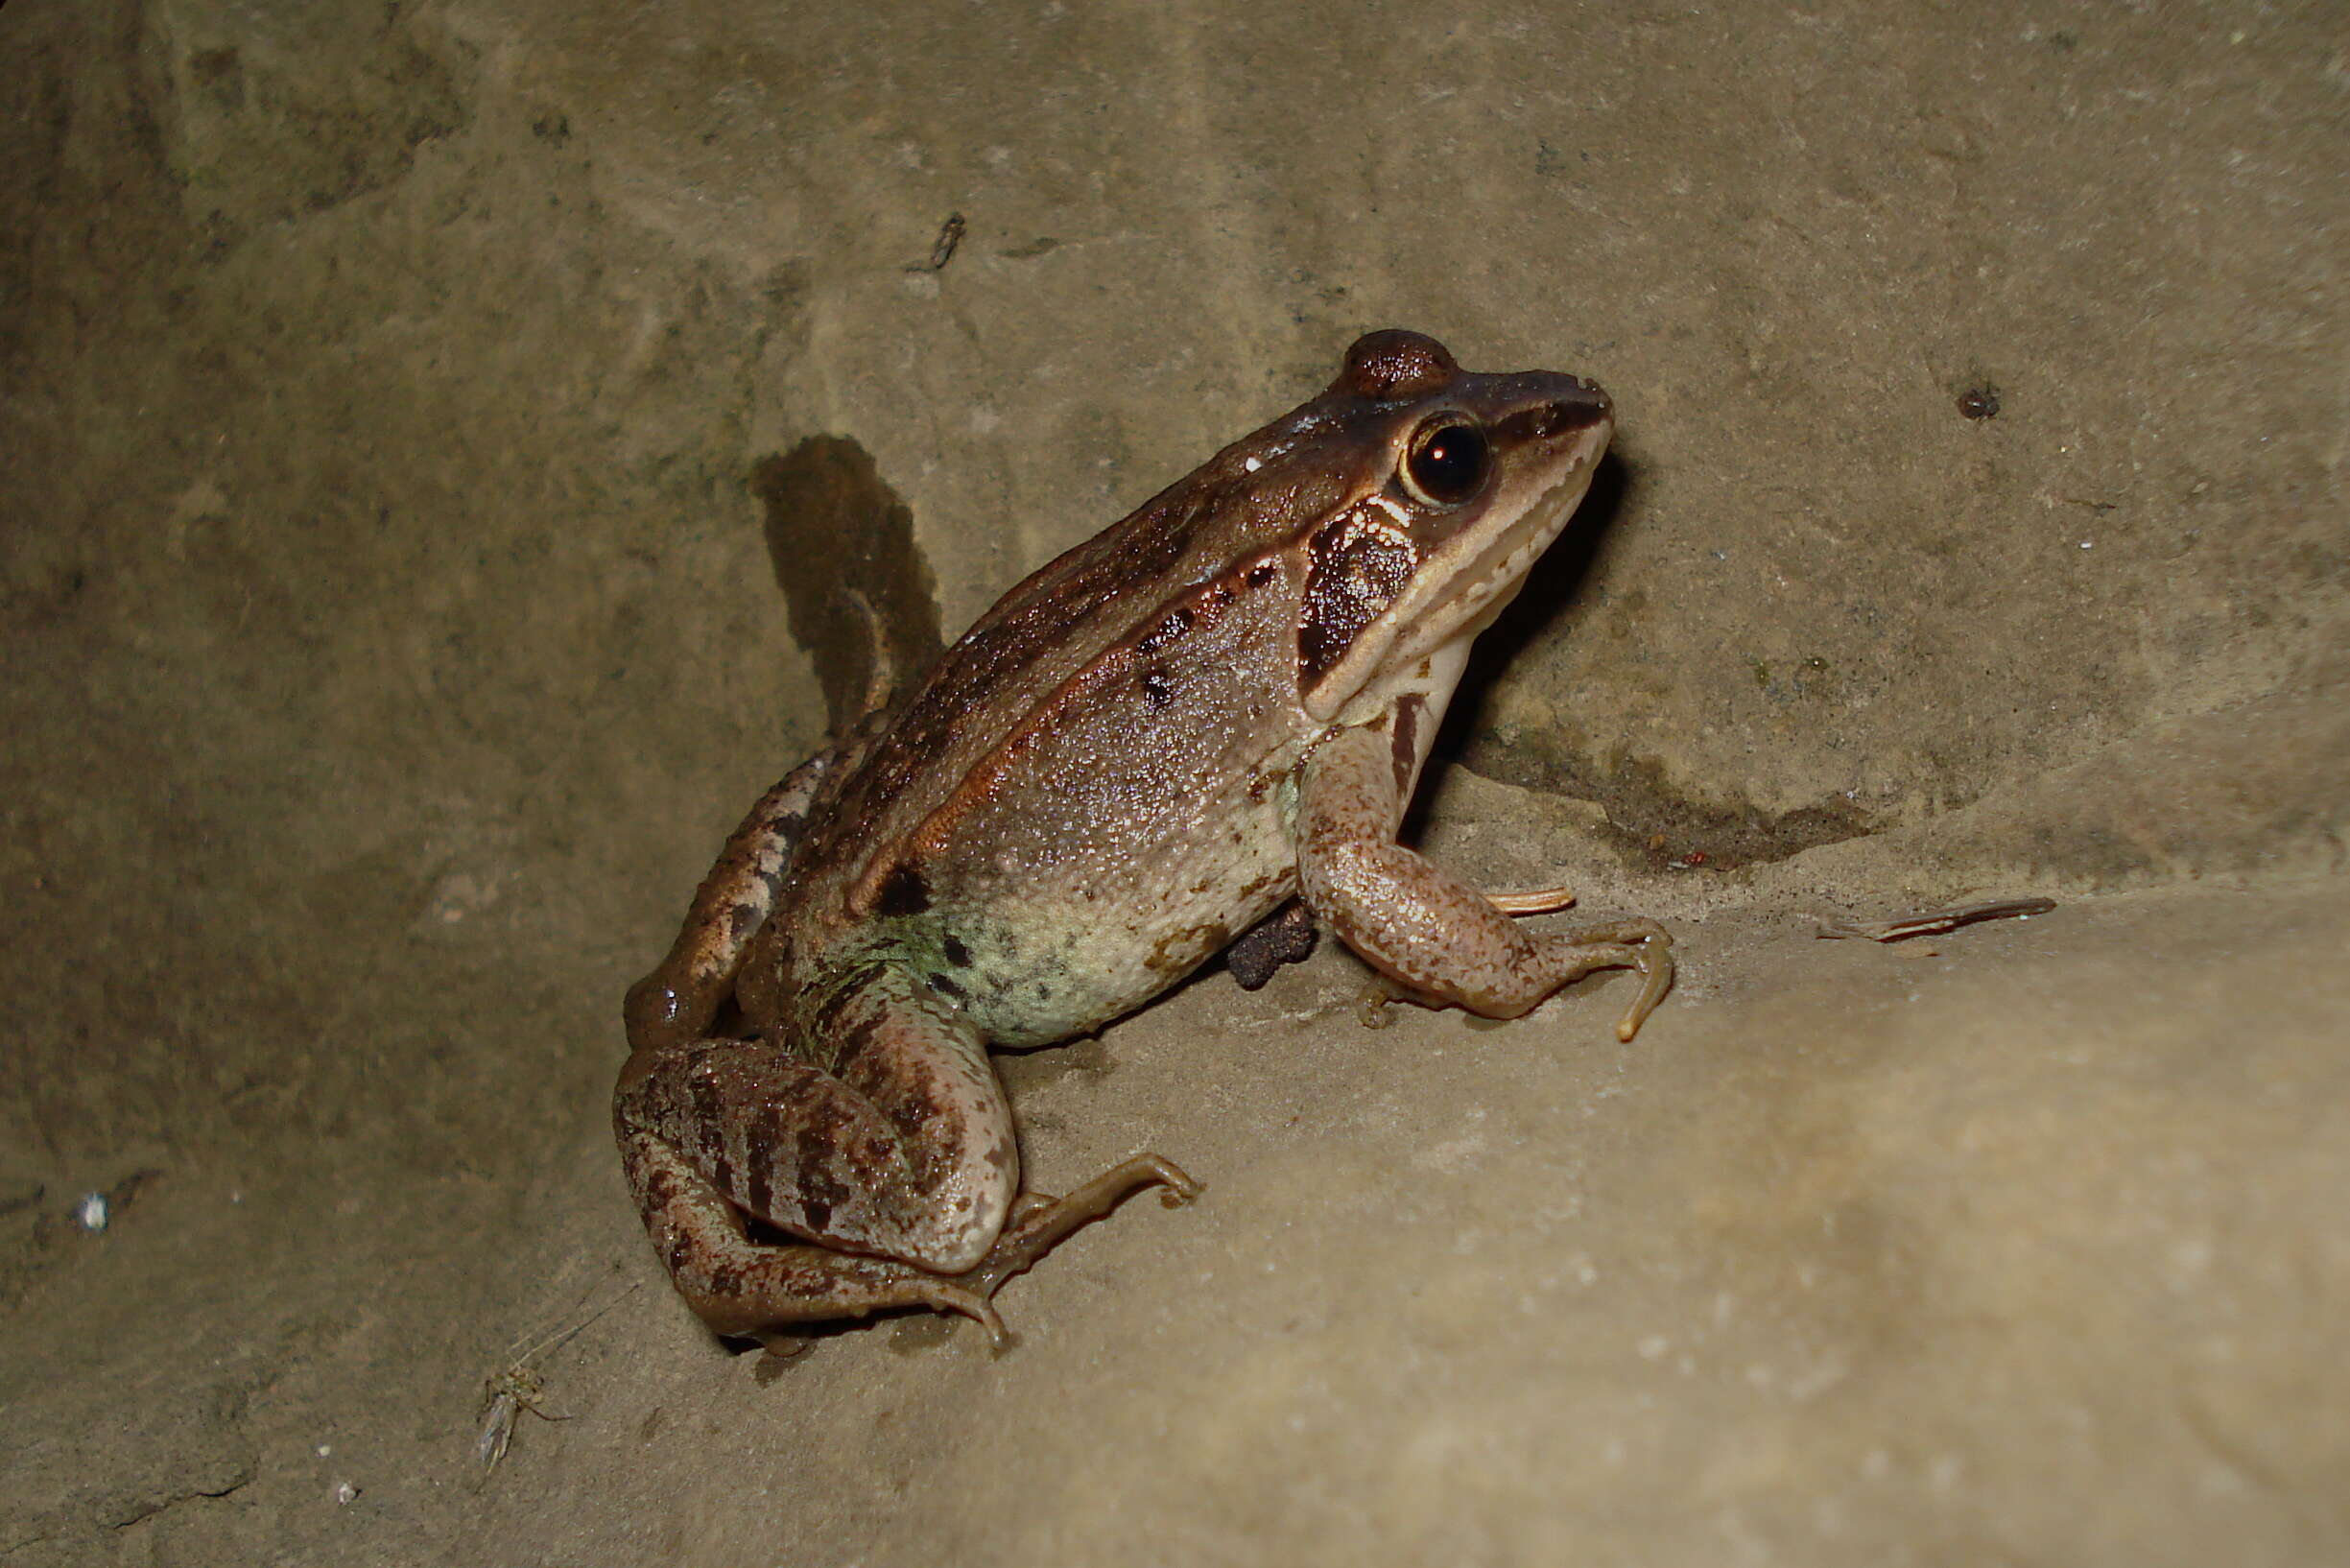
<point x="1480" y="587"/>
<point x="1469" y="578"/>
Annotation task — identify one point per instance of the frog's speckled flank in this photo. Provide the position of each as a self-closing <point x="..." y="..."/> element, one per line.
<point x="1216" y="704"/>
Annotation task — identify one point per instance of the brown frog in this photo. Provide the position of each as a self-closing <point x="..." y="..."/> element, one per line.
<point x="1217" y="704"/>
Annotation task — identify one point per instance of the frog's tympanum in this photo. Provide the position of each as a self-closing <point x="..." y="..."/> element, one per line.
<point x="1219" y="704"/>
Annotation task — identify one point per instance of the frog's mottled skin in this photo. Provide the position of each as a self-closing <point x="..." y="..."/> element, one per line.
<point x="1219" y="703"/>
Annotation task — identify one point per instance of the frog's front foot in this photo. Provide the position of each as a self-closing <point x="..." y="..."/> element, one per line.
<point x="1039" y="1221"/>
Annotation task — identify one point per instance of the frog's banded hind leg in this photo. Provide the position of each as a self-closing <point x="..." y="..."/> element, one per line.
<point x="899" y="1147"/>
<point x="677" y="1001"/>
<point x="888" y="1137"/>
<point x="741" y="1288"/>
<point x="1420" y="925"/>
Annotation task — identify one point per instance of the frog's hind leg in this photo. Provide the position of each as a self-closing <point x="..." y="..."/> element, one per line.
<point x="741" y="1288"/>
<point x="679" y="999"/>
<point x="897" y="1155"/>
<point x="894" y="1142"/>
<point x="892" y="1138"/>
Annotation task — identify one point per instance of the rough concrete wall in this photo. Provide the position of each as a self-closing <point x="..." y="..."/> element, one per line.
<point x="351" y="442"/>
<point x="401" y="412"/>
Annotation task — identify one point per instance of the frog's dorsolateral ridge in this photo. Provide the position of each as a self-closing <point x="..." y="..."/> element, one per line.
<point x="1217" y="704"/>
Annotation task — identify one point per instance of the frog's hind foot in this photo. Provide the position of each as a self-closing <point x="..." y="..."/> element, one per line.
<point x="814" y="1284"/>
<point x="1040" y="1221"/>
<point x="779" y="1286"/>
<point x="762" y="1292"/>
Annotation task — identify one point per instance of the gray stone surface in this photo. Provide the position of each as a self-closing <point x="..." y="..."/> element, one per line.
<point x="397" y="605"/>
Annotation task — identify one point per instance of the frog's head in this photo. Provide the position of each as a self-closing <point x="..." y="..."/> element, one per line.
<point x="1460" y="480"/>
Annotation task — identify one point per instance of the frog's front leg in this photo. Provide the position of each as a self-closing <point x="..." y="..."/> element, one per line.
<point x="1422" y="926"/>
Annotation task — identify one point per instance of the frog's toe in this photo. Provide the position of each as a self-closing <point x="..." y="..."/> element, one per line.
<point x="1025" y="1205"/>
<point x="980" y="1310"/>
<point x="1039" y="1223"/>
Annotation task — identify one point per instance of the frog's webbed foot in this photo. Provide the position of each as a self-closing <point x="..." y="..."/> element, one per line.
<point x="836" y="1285"/>
<point x="1541" y="901"/>
<point x="1040" y="1221"/>
<point x="1639" y="944"/>
<point x="815" y="1284"/>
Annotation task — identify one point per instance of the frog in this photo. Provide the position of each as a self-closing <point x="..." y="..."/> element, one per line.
<point x="1217" y="705"/>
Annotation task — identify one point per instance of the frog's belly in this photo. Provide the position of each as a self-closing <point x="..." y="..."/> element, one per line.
<point x="1059" y="946"/>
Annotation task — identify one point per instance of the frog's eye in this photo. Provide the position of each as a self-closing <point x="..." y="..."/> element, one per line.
<point x="1446" y="462"/>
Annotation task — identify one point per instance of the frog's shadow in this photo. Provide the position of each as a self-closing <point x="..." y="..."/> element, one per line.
<point x="1554" y="590"/>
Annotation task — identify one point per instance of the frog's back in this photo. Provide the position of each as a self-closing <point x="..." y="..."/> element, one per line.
<point x="1090" y="794"/>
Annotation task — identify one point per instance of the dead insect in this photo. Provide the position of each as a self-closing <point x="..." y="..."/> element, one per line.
<point x="518" y="1387"/>
<point x="942" y="248"/>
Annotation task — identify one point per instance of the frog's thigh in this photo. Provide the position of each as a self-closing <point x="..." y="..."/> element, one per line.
<point x="1411" y="919"/>
<point x="738" y="1286"/>
<point x="905" y="1149"/>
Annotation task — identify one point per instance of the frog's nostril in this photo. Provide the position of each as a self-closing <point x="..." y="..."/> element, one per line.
<point x="1559" y="417"/>
<point x="1593" y="406"/>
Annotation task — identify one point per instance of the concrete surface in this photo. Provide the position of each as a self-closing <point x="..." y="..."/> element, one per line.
<point x="413" y="558"/>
